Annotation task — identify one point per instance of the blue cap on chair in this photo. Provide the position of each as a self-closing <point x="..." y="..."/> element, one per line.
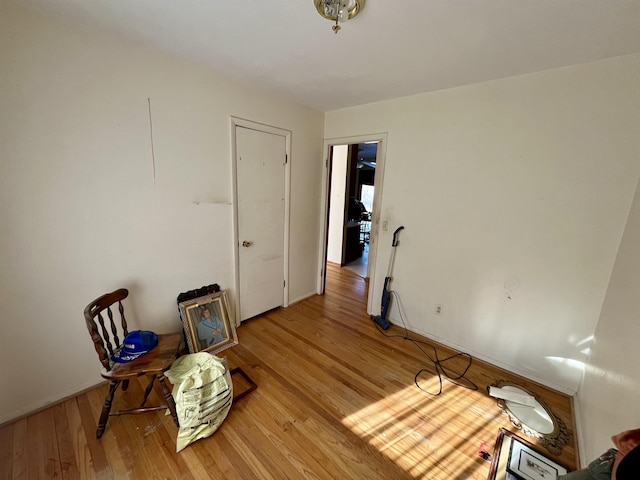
<point x="135" y="344"/>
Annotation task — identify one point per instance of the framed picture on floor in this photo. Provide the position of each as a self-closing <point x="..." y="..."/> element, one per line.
<point x="207" y="324"/>
<point x="527" y="464"/>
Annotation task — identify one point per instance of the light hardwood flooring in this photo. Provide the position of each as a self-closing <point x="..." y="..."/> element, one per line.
<point x="335" y="400"/>
<point x="360" y="265"/>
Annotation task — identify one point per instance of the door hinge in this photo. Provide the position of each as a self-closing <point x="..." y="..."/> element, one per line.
<point x="284" y="284"/>
<point x="286" y="158"/>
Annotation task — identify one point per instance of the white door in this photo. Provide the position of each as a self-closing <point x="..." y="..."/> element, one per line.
<point x="260" y="164"/>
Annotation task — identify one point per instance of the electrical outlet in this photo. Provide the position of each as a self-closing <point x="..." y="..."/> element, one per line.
<point x="438" y="309"/>
<point x="385" y="225"/>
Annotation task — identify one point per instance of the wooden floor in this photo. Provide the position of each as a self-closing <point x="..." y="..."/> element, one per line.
<point x="335" y="400"/>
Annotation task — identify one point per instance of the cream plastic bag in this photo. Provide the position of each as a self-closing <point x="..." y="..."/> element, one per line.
<point x="203" y="393"/>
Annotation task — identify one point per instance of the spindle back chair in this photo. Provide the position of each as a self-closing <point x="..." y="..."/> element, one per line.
<point x="108" y="332"/>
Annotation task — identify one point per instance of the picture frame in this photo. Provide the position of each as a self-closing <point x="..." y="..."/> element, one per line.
<point x="527" y="464"/>
<point x="207" y="323"/>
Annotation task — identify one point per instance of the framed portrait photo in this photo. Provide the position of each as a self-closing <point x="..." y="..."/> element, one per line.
<point x="527" y="464"/>
<point x="207" y="324"/>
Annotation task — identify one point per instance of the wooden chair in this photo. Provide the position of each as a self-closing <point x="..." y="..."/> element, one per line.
<point x="152" y="364"/>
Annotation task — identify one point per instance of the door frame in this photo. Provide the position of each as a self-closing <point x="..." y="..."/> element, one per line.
<point x="377" y="203"/>
<point x="260" y="127"/>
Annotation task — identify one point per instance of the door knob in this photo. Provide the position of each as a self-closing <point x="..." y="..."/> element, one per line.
<point x="245" y="243"/>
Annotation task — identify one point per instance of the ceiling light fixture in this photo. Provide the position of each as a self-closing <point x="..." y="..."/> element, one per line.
<point x="338" y="11"/>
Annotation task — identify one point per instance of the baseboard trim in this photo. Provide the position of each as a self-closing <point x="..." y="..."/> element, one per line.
<point x="24" y="415"/>
<point x="577" y="434"/>
<point x="303" y="297"/>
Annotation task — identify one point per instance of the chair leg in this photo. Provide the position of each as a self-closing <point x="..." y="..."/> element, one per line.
<point x="125" y="385"/>
<point x="147" y="391"/>
<point x="106" y="408"/>
<point x="169" y="399"/>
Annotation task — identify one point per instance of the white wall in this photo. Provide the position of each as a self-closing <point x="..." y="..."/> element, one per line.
<point x="336" y="204"/>
<point x="609" y="397"/>
<point x="514" y="194"/>
<point x="81" y="210"/>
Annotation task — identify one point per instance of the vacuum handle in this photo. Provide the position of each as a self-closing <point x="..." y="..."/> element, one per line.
<point x="395" y="236"/>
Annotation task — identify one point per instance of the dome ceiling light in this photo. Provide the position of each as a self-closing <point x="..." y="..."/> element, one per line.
<point x="338" y="11"/>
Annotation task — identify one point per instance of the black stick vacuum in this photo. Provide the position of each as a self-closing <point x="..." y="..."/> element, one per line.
<point x="381" y="319"/>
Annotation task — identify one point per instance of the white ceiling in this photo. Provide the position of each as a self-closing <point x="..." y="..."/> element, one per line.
<point x="394" y="48"/>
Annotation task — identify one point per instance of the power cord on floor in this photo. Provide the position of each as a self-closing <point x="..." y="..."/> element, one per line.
<point x="438" y="363"/>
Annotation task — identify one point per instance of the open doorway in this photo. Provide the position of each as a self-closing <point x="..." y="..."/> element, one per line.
<point x="352" y="186"/>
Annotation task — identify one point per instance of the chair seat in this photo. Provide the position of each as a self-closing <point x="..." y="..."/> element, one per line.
<point x="156" y="361"/>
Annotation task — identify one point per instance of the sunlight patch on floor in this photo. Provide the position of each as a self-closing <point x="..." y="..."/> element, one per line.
<point x="422" y="434"/>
